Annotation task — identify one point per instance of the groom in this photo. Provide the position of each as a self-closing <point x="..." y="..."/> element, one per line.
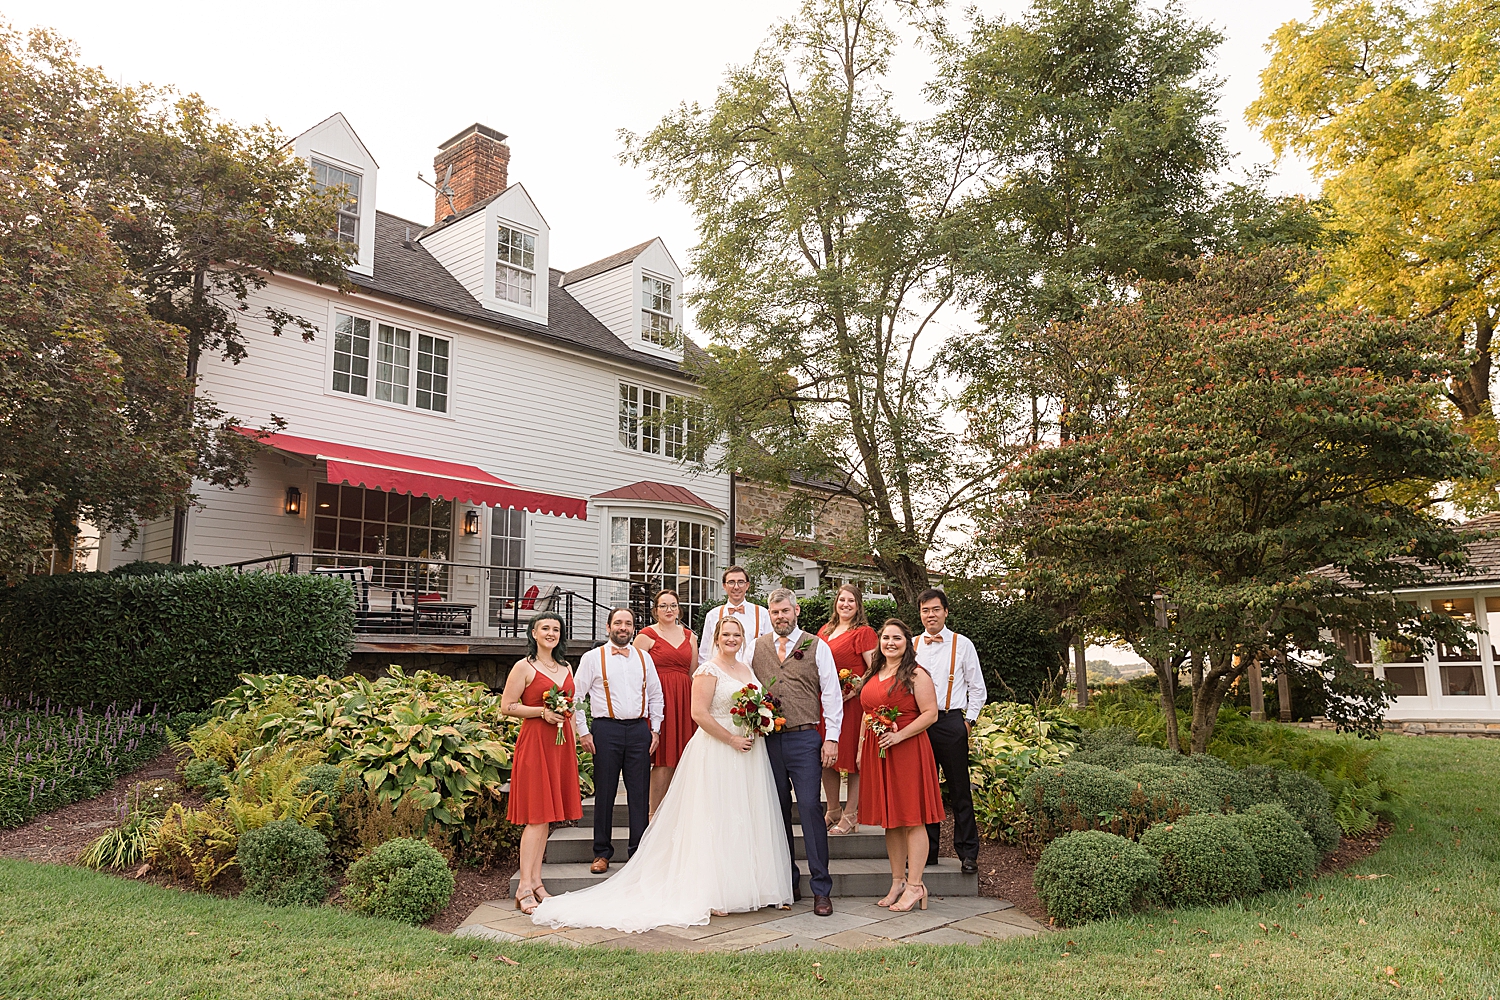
<point x="807" y="685"/>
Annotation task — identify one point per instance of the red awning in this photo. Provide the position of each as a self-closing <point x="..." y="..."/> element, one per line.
<point x="386" y="470"/>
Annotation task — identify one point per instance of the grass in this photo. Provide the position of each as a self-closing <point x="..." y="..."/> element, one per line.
<point x="1430" y="917"/>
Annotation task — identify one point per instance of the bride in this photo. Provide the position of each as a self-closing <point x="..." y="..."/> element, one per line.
<point x="717" y="843"/>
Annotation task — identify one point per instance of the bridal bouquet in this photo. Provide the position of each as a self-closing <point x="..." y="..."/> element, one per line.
<point x="848" y="680"/>
<point x="557" y="700"/>
<point x="756" y="711"/>
<point x="883" y="720"/>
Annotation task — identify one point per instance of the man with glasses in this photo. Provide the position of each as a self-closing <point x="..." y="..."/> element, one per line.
<point x="756" y="619"/>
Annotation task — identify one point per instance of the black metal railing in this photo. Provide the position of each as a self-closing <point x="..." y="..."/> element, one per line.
<point x="418" y="596"/>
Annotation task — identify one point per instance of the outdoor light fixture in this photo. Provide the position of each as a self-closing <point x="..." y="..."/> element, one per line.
<point x="471" y="521"/>
<point x="293" y="500"/>
<point x="1448" y="606"/>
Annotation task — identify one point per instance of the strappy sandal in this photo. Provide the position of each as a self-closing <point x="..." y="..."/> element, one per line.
<point x="521" y="903"/>
<point x="893" y="895"/>
<point x="841" y="829"/>
<point x="898" y="908"/>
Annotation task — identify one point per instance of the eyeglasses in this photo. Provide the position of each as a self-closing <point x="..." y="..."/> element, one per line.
<point x="668" y="607"/>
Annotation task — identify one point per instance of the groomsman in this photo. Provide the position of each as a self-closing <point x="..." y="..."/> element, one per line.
<point x="625" y="695"/>
<point x="954" y="665"/>
<point x="756" y="619"/>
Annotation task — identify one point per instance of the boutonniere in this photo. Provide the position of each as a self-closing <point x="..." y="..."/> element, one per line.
<point x="803" y="646"/>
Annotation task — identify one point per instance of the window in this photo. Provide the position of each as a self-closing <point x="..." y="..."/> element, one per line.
<point x="351" y="520"/>
<point x="432" y="373"/>
<point x="659" y="423"/>
<point x="330" y="178"/>
<point x="1459" y="667"/>
<point x="393" y="364"/>
<point x="515" y="270"/>
<point x="507" y="548"/>
<point x="666" y="552"/>
<point x="351" y="355"/>
<point x="656" y="312"/>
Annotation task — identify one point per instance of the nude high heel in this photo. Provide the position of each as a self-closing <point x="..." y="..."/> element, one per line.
<point x="893" y="895"/>
<point x="898" y="908"/>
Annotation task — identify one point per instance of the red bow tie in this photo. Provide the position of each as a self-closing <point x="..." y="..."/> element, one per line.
<point x="933" y="638"/>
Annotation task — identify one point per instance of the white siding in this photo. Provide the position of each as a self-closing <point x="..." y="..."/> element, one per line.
<point x="461" y="249"/>
<point x="334" y="141"/>
<point x="612" y="298"/>
<point x="515" y="209"/>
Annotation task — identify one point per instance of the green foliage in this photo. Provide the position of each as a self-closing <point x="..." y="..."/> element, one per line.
<point x="1119" y="757"/>
<point x="332" y="782"/>
<point x="405" y="880"/>
<point x="1090" y="875"/>
<point x="176" y="641"/>
<point x="1177" y="788"/>
<point x="1107" y="736"/>
<point x="1078" y="797"/>
<point x="284" y="864"/>
<point x="206" y="777"/>
<point x="1008" y="743"/>
<point x="1283" y="850"/>
<point x="1203" y="859"/>
<point x="195" y="845"/>
<point x="50" y="757"/>
<point x="1307" y="800"/>
<point x="140" y="816"/>
<point x="144" y="567"/>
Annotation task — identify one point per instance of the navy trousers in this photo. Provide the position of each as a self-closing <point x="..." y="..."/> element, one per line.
<point x="797" y="766"/>
<point x="620" y="746"/>
<point x="950" y="746"/>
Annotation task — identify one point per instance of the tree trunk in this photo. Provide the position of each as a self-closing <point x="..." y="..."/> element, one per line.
<point x="1166" y="676"/>
<point x="1283" y="687"/>
<point x="194" y="346"/>
<point x="1080" y="654"/>
<point x="909" y="576"/>
<point x="1257" y="691"/>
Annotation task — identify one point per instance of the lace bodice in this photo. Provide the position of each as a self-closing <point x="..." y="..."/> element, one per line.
<point x="724" y="691"/>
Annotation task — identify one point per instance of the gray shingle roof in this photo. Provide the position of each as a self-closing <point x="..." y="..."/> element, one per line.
<point x="410" y="274"/>
<point x="609" y="263"/>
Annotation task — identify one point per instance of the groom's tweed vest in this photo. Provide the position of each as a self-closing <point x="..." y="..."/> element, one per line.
<point x="797" y="686"/>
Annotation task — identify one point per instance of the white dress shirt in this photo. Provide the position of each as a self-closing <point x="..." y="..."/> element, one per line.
<point x="627" y="686"/>
<point x="949" y="656"/>
<point x="829" y="690"/>
<point x="757" y="622"/>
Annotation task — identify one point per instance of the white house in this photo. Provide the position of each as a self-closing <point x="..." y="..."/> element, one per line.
<point x="472" y="421"/>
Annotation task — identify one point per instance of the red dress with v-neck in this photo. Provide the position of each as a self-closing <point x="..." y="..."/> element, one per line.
<point x="849" y="648"/>
<point x="543" y="772"/>
<point x="674" y="668"/>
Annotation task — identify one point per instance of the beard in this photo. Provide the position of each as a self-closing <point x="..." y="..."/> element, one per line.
<point x="783" y="630"/>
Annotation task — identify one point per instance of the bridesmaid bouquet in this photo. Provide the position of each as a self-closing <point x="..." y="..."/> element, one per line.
<point x="557" y="700"/>
<point x="847" y="679"/>
<point x="883" y="720"/>
<point x="756" y="711"/>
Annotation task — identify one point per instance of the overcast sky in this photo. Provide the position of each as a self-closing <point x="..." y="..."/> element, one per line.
<point x="559" y="78"/>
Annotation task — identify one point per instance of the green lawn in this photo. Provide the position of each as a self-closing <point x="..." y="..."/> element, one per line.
<point x="1431" y="917"/>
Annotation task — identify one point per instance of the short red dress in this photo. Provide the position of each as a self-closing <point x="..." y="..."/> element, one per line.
<point x="543" y="772"/>
<point x="674" y="668"/>
<point x="849" y="649"/>
<point x="900" y="789"/>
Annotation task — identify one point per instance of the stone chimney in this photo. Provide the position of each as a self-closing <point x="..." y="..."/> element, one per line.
<point x="481" y="165"/>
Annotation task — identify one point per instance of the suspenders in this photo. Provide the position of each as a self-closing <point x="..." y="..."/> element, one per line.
<point x="952" y="662"/>
<point x="609" y="704"/>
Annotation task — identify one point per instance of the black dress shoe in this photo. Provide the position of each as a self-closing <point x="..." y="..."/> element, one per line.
<point x="797" y="891"/>
<point x="822" y="906"/>
<point x="971" y="867"/>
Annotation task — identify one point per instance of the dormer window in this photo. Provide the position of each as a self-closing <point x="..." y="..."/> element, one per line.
<point x="656" y="312"/>
<point x="515" y="270"/>
<point x="327" y="177"/>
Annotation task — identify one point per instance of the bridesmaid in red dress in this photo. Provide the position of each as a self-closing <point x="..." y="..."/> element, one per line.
<point x="852" y="641"/>
<point x="543" y="772"/>
<point x="676" y="657"/>
<point x="900" y="789"/>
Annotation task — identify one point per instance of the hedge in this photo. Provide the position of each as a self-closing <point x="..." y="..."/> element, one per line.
<point x="175" y="641"/>
<point x="1090" y="875"/>
<point x="1018" y="648"/>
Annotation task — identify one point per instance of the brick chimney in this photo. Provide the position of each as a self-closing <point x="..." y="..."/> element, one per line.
<point x="481" y="164"/>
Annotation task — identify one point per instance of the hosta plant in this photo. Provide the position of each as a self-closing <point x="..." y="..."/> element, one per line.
<point x="1008" y="742"/>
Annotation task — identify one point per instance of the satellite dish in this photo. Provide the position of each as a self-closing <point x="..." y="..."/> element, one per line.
<point x="445" y="191"/>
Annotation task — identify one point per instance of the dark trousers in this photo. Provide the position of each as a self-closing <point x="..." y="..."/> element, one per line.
<point x="620" y="746"/>
<point x="797" y="766"/>
<point x="950" y="745"/>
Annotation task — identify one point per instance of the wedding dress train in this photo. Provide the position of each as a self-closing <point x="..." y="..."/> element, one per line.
<point x="717" y="842"/>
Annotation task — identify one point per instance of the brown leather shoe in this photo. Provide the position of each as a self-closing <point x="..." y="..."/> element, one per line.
<point x="822" y="906"/>
<point x="600" y="866"/>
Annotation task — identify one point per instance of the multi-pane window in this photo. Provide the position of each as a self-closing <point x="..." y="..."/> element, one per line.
<point x="658" y="423"/>
<point x="351" y="520"/>
<point x="515" y="268"/>
<point x="432" y="373"/>
<point x="656" y="312"/>
<point x="666" y="552"/>
<point x="327" y="177"/>
<point x="351" y="355"/>
<point x="507" y="548"/>
<point x="1459" y="666"/>
<point x="393" y="364"/>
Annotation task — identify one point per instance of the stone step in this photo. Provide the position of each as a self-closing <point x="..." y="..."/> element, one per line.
<point x="622" y="812"/>
<point x="574" y="844"/>
<point x="851" y="877"/>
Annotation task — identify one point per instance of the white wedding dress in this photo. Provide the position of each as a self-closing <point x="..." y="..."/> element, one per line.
<point x="718" y="842"/>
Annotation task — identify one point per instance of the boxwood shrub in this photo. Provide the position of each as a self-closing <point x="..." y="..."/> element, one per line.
<point x="1173" y="789"/>
<point x="1090" y="875"/>
<point x="1119" y="756"/>
<point x="1202" y="858"/>
<point x="404" y="879"/>
<point x="1076" y="796"/>
<point x="284" y="864"/>
<point x="1282" y="848"/>
<point x="1307" y="800"/>
<point x="176" y="641"/>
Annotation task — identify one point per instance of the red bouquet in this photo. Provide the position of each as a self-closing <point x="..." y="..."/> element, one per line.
<point x="756" y="711"/>
<point x="557" y="700"/>
<point x="848" y="683"/>
<point x="883" y="720"/>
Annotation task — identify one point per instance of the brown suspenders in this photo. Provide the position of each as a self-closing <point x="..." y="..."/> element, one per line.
<point x="952" y="662"/>
<point x="604" y="655"/>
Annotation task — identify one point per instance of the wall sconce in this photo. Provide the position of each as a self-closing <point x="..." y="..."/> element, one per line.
<point x="293" y="500"/>
<point x="471" y="521"/>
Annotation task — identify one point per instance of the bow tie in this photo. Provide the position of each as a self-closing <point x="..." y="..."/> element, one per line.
<point x="932" y="638"/>
<point x="737" y="609"/>
<point x="619" y="650"/>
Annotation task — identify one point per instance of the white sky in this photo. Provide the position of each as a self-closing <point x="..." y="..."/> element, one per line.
<point x="560" y="79"/>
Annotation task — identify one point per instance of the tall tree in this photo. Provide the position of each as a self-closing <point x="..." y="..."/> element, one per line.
<point x="823" y="263"/>
<point x="1246" y="470"/>
<point x="203" y="212"/>
<point x="1395" y="105"/>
